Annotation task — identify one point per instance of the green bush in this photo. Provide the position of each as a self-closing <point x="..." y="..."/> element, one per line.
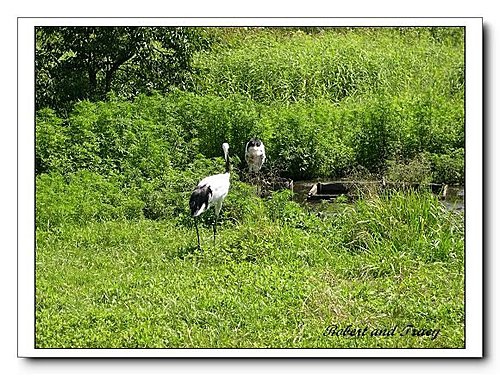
<point x="371" y="136"/>
<point x="51" y="143"/>
<point x="448" y="168"/>
<point x="212" y="120"/>
<point x="144" y="139"/>
<point x="417" y="170"/>
<point x="83" y="197"/>
<point x="111" y="137"/>
<point x="305" y="141"/>
<point x="281" y="208"/>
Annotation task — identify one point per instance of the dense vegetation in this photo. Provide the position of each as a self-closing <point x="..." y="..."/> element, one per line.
<point x="119" y="148"/>
<point x="76" y="62"/>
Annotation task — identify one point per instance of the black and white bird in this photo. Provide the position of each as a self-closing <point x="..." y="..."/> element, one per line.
<point x="211" y="191"/>
<point x="255" y="155"/>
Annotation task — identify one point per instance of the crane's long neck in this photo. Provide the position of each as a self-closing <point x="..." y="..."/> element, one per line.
<point x="228" y="166"/>
<point x="225" y="148"/>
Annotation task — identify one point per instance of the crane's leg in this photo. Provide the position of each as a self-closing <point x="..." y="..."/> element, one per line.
<point x="217" y="210"/>
<point x="215" y="226"/>
<point x="197" y="233"/>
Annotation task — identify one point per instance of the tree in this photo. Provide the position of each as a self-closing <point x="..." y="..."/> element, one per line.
<point x="76" y="63"/>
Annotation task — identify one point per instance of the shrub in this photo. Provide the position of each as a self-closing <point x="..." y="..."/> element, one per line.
<point x="82" y="197"/>
<point x="242" y="204"/>
<point x="213" y="120"/>
<point x="306" y="141"/>
<point x="51" y="143"/>
<point x="417" y="170"/>
<point x="371" y="137"/>
<point x="111" y="137"/>
<point x="282" y="209"/>
<point x="448" y="168"/>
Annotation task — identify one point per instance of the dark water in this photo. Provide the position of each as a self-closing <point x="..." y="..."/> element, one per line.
<point x="454" y="198"/>
<point x="301" y="189"/>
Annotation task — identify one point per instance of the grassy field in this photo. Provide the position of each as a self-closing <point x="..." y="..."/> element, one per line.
<point x="116" y="258"/>
<point x="278" y="281"/>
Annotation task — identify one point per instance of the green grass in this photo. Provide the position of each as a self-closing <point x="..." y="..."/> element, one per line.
<point x="275" y="281"/>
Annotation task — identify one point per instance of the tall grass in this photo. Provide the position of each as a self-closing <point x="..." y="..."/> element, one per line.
<point x="334" y="64"/>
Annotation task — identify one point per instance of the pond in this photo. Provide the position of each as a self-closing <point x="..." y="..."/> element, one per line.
<point x="453" y="200"/>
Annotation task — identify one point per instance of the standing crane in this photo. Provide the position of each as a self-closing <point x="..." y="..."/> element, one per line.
<point x="211" y="191"/>
<point x="255" y="154"/>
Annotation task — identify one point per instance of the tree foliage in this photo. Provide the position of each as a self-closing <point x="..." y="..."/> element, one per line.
<point x="76" y="63"/>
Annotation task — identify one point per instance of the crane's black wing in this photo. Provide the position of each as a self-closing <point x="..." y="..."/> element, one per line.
<point x="199" y="199"/>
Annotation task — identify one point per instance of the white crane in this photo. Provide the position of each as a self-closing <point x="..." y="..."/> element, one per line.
<point x="255" y="154"/>
<point x="211" y="191"/>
